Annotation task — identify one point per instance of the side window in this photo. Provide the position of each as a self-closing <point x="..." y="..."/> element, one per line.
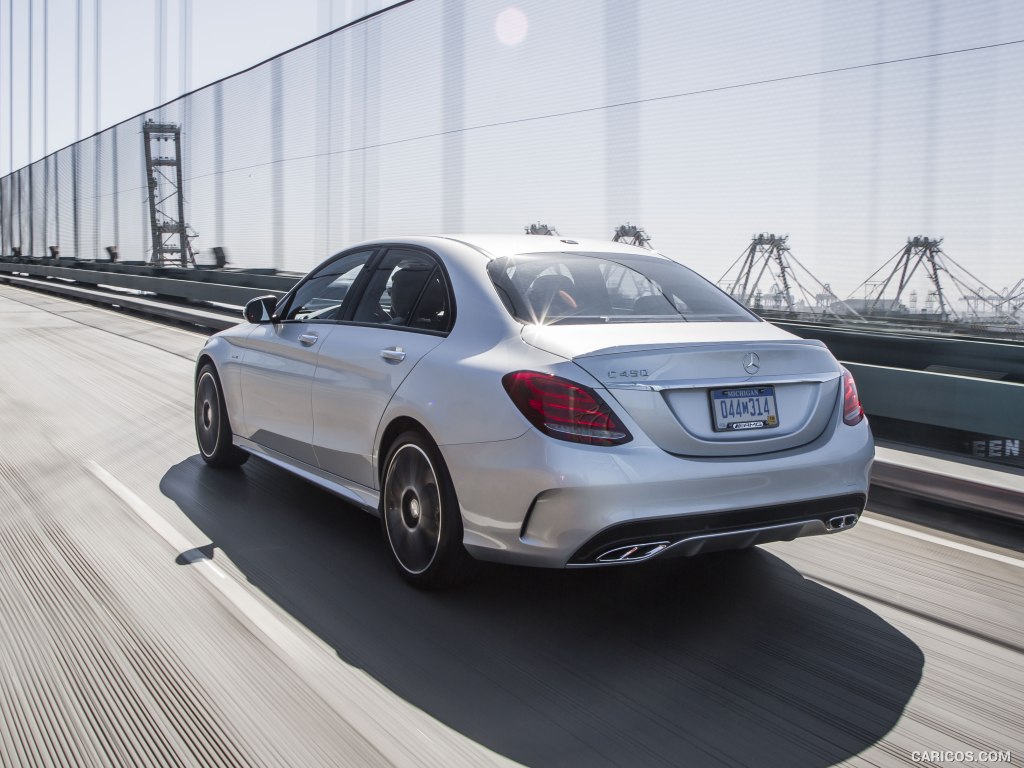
<point x="322" y="296"/>
<point x="406" y="289"/>
<point x="432" y="312"/>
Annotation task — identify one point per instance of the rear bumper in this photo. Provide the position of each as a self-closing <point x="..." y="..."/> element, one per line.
<point x="686" y="535"/>
<point x="538" y="501"/>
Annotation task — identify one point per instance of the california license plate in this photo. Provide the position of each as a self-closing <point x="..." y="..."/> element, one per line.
<point x="744" y="408"/>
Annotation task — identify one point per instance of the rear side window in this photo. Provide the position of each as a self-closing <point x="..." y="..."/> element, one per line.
<point x="608" y="288"/>
<point x="406" y="289"/>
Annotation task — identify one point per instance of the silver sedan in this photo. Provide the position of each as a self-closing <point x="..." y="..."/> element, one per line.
<point x="537" y="400"/>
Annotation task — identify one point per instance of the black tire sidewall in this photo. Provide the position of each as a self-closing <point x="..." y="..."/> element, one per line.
<point x="225" y="453"/>
<point x="450" y="560"/>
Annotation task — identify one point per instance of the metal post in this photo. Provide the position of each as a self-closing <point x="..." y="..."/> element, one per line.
<point x="151" y="184"/>
<point x="369" y="166"/>
<point x="185" y="49"/>
<point x="21" y="214"/>
<point x="3" y="220"/>
<point x="326" y="128"/>
<point x="10" y="90"/>
<point x="453" y="74"/>
<point x="78" y="70"/>
<point x="97" y="199"/>
<point x="182" y="235"/>
<point x="31" y="213"/>
<point x="185" y="85"/>
<point x="622" y="48"/>
<point x="56" y="201"/>
<point x="160" y="52"/>
<point x="31" y="158"/>
<point x="115" y="189"/>
<point x="46" y="77"/>
<point x="277" y="166"/>
<point x="96" y="66"/>
<point x="218" y="162"/>
<point x="74" y="199"/>
<point x="46" y="204"/>
<point x="78" y="128"/>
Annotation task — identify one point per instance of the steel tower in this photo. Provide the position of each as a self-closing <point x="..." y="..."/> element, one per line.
<point x="170" y="236"/>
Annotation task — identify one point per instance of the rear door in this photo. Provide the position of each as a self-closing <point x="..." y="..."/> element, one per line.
<point x="279" y="360"/>
<point x="405" y="311"/>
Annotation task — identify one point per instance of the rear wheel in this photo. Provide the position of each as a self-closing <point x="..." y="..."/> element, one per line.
<point x="213" y="430"/>
<point x="420" y="515"/>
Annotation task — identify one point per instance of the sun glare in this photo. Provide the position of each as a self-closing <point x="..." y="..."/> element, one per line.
<point x="511" y="26"/>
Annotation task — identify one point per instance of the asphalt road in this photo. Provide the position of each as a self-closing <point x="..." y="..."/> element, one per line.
<point x="155" y="612"/>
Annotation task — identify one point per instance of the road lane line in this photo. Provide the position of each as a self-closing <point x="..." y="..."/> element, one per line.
<point x="942" y="542"/>
<point x="860" y="595"/>
<point x="353" y="694"/>
<point x="149" y="515"/>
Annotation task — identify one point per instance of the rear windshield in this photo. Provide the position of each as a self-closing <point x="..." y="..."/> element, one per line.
<point x="587" y="288"/>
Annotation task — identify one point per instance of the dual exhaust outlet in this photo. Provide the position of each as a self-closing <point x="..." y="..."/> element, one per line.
<point x="842" y="521"/>
<point x="632" y="552"/>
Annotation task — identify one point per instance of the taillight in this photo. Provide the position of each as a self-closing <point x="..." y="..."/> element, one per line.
<point x="853" y="411"/>
<point x="563" y="409"/>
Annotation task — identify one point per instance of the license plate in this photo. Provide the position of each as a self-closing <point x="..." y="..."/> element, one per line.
<point x="744" y="408"/>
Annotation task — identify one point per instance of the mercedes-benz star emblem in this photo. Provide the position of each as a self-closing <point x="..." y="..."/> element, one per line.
<point x="751" y="363"/>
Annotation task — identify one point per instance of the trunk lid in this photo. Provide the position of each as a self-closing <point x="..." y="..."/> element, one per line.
<point x="663" y="376"/>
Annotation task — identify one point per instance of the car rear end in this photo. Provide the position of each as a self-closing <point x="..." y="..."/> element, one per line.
<point x="659" y="432"/>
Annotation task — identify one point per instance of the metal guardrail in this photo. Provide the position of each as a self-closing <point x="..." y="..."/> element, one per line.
<point x="883" y="364"/>
<point x="997" y="359"/>
<point x="953" y="483"/>
<point x="941" y="399"/>
<point x="191" y="287"/>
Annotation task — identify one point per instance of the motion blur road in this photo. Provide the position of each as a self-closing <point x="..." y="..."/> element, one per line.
<point x="153" y="611"/>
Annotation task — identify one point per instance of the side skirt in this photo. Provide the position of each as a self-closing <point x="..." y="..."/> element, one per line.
<point x="365" y="498"/>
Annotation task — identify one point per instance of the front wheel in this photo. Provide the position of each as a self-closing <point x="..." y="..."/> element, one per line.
<point x="420" y="515"/>
<point x="213" y="430"/>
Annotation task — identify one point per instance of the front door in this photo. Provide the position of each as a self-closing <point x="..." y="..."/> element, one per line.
<point x="279" y="361"/>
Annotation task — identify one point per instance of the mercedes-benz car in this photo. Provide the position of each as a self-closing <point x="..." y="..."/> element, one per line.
<point x="540" y="401"/>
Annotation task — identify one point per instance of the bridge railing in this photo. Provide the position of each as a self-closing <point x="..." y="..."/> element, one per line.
<point x="961" y="395"/>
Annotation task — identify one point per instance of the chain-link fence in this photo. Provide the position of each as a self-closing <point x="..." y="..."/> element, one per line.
<point x="702" y="123"/>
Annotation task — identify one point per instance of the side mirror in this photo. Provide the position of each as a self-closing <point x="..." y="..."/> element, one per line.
<point x="260" y="309"/>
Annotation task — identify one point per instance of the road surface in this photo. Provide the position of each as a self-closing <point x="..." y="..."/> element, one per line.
<point x="156" y="612"/>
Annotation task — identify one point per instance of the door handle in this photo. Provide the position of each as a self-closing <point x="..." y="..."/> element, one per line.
<point x="308" y="339"/>
<point x="394" y="354"/>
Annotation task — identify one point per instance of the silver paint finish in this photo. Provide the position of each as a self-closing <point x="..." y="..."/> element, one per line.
<point x="353" y="384"/>
<point x="526" y="497"/>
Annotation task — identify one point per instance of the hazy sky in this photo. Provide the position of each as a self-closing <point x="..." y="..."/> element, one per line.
<point x="226" y="36"/>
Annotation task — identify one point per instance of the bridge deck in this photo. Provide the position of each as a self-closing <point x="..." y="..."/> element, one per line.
<point x="155" y="612"/>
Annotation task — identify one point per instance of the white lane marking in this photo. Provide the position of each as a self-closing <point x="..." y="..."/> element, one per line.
<point x="942" y="542"/>
<point x="149" y="515"/>
<point x="360" y="700"/>
<point x="214" y="567"/>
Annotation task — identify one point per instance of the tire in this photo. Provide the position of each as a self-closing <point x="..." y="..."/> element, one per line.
<point x="420" y="515"/>
<point x="213" y="430"/>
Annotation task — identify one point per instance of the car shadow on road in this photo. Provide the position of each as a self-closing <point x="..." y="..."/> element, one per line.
<point x="731" y="659"/>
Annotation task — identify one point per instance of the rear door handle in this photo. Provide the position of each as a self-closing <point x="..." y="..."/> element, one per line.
<point x="308" y="339"/>
<point x="395" y="354"/>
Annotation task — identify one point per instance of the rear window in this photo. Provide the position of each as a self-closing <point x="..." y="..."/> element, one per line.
<point x="586" y="288"/>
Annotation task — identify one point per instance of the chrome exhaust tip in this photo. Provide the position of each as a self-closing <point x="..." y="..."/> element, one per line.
<point x="842" y="521"/>
<point x="633" y="552"/>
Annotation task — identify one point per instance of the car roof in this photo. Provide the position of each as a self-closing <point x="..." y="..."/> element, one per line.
<point x="497" y="245"/>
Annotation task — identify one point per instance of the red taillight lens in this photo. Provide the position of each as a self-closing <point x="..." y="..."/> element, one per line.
<point x="563" y="409"/>
<point x="853" y="411"/>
